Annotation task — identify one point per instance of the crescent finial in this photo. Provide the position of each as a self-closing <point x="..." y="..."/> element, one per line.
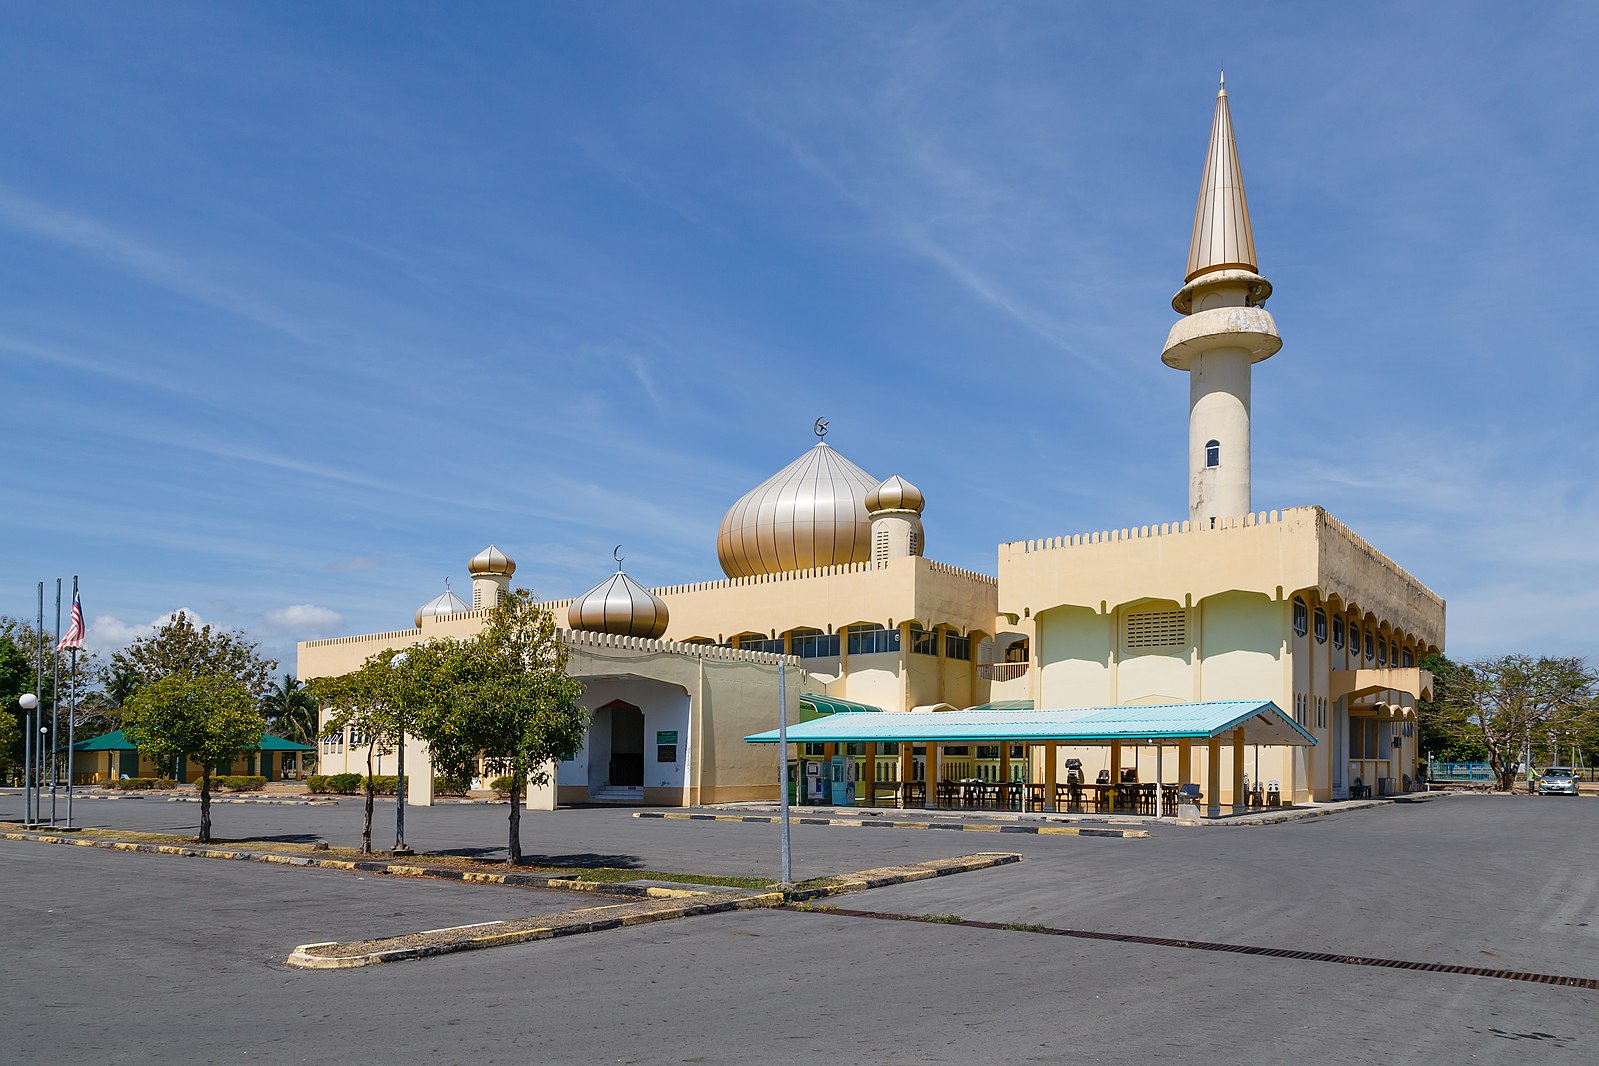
<point x="820" y="427"/>
<point x="616" y="553"/>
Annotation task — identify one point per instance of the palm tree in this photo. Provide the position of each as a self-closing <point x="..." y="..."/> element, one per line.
<point x="291" y="710"/>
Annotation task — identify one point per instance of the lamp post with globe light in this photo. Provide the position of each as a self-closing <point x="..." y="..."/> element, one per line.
<point x="400" y="846"/>
<point x="28" y="702"/>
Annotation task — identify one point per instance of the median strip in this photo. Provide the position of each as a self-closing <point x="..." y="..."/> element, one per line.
<point x="332" y="955"/>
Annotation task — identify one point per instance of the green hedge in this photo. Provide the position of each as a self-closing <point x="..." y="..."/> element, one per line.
<point x="338" y="784"/>
<point x="502" y="786"/>
<point x="382" y="784"/>
<point x="143" y="784"/>
<point x="241" y="782"/>
<point x="449" y="786"/>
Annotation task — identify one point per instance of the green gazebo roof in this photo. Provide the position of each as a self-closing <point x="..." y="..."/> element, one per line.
<point x="118" y="742"/>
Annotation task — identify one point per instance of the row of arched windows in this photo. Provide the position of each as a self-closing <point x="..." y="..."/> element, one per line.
<point x="1374" y="645"/>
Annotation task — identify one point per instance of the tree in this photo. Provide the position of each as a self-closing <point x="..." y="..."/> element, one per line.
<point x="503" y="694"/>
<point x="1435" y="739"/>
<point x="179" y="647"/>
<point x="1509" y="702"/>
<point x="366" y="702"/>
<point x="207" y="717"/>
<point x="16" y="677"/>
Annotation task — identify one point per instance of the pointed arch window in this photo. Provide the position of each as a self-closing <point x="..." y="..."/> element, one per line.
<point x="1212" y="454"/>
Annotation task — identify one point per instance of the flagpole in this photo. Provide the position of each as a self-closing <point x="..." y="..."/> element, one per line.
<point x="55" y="706"/>
<point x="72" y="707"/>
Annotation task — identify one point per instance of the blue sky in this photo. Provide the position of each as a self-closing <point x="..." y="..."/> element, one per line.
<point x="305" y="304"/>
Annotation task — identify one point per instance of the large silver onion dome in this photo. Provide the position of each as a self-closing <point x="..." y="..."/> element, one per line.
<point x="445" y="603"/>
<point x="491" y="560"/>
<point x="811" y="513"/>
<point x="896" y="494"/>
<point x="621" y="606"/>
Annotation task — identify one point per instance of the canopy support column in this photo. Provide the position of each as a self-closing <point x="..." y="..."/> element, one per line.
<point x="1213" y="776"/>
<point x="1049" y="772"/>
<point x="1240" y="800"/>
<point x="1185" y="761"/>
<point x="871" y="778"/>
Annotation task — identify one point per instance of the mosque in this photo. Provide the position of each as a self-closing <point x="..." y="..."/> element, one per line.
<point x="1260" y="649"/>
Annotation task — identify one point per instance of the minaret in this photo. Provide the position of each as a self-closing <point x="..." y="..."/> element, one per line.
<point x="491" y="571"/>
<point x="895" y="508"/>
<point x="1226" y="331"/>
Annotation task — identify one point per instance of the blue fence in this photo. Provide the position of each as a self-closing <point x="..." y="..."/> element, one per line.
<point x="1460" y="771"/>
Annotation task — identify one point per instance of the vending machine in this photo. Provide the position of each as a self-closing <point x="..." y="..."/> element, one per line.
<point x="816" y="785"/>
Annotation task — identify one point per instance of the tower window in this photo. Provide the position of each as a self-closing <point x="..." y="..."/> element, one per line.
<point x="1301" y="617"/>
<point x="1212" y="454"/>
<point x="1338" y="633"/>
<point x="1321" y="626"/>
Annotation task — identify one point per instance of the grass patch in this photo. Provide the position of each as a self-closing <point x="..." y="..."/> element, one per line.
<point x="611" y="875"/>
<point x="941" y="919"/>
<point x="1024" y="927"/>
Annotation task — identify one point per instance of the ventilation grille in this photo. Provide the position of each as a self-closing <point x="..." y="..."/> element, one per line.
<point x="1156" y="629"/>
<point x="880" y="546"/>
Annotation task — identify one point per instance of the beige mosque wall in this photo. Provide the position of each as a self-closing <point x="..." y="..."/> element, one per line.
<point x="1241" y="637"/>
<point x="1073" y="658"/>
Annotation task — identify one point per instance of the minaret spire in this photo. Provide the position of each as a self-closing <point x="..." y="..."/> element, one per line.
<point x="1226" y="331"/>
<point x="1222" y="234"/>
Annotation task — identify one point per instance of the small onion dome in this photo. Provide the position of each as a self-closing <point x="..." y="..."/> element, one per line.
<point x="621" y="606"/>
<point x="810" y="513"/>
<point x="445" y="603"/>
<point x="491" y="560"/>
<point x="896" y="494"/>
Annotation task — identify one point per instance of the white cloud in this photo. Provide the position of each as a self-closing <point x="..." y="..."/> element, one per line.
<point x="108" y="633"/>
<point x="302" y="619"/>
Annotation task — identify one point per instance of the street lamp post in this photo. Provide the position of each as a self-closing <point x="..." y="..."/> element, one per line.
<point x="400" y="846"/>
<point x="28" y="702"/>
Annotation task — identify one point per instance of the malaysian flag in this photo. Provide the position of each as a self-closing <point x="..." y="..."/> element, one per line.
<point x="74" y="637"/>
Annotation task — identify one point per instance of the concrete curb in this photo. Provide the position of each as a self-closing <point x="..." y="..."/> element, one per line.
<point x="165" y="798"/>
<point x="873" y="823"/>
<point x="560" y="883"/>
<point x="332" y="955"/>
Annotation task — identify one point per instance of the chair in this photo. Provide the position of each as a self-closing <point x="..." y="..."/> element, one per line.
<point x="913" y="793"/>
<point x="1146" y="799"/>
<point x="947" y="793"/>
<point x="1274" y="794"/>
<point x="1103" y="778"/>
<point x="1359" y="790"/>
<point x="1190" y="793"/>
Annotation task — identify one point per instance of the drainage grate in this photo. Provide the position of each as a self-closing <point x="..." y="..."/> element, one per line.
<point x="1236" y="949"/>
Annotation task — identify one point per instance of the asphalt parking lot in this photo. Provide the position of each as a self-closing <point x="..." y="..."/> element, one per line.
<point x="134" y="958"/>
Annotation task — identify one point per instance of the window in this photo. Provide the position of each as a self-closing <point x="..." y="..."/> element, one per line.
<point x="916" y="543"/>
<point x="769" y="644"/>
<point x="1321" y="626"/>
<point x="988" y="751"/>
<point x="1410" y="658"/>
<point x="1301" y="617"/>
<point x="1212" y="454"/>
<point x="1382" y="653"/>
<point x="1321" y="712"/>
<point x="816" y="645"/>
<point x="358" y="738"/>
<point x="813" y="750"/>
<point x="1354" y="640"/>
<point x="1369" y="648"/>
<point x="924" y="642"/>
<point x="873" y="640"/>
<point x="957" y="647"/>
<point x="1156" y="629"/>
<point x="1338" y="633"/>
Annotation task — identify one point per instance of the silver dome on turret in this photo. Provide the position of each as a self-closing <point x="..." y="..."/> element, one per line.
<point x="621" y="606"/>
<point x="445" y="603"/>
<point x="895" y="494"/>
<point x="491" y="560"/>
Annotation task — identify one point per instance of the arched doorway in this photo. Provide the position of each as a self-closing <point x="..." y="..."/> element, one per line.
<point x="627" y="745"/>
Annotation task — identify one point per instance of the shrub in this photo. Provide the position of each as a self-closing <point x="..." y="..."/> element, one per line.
<point x="338" y="784"/>
<point x="242" y="782"/>
<point x="444" y="785"/>
<point x="382" y="784"/>
<point x="502" y="786"/>
<point x="143" y="784"/>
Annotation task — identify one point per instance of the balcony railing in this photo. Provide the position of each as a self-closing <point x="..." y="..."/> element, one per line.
<point x="1001" y="671"/>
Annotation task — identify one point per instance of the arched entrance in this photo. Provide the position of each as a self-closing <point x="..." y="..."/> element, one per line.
<point x="627" y="745"/>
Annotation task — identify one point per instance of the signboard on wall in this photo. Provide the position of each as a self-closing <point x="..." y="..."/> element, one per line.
<point x="666" y="745"/>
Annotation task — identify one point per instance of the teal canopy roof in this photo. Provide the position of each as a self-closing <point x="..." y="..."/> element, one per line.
<point x="118" y="742"/>
<point x="1263" y="722"/>
<point x="834" y="705"/>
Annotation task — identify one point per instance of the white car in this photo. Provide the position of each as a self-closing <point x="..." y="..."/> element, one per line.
<point x="1558" y="781"/>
